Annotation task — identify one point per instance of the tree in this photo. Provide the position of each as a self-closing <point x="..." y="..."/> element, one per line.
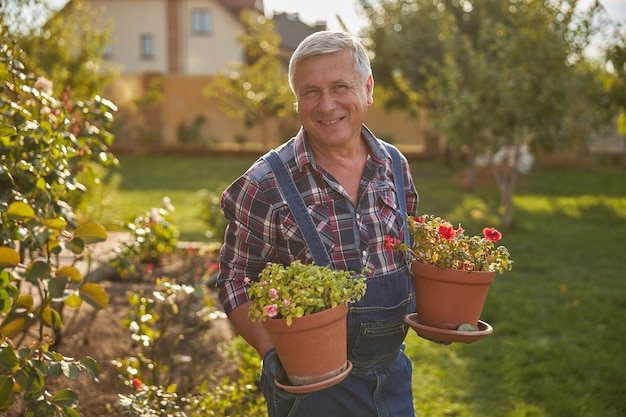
<point x="65" y="46"/>
<point x="504" y="74"/>
<point x="258" y="90"/>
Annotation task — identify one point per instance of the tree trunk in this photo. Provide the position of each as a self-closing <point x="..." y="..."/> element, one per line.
<point x="505" y="174"/>
<point x="471" y="171"/>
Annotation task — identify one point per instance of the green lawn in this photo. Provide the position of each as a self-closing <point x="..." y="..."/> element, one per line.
<point x="559" y="341"/>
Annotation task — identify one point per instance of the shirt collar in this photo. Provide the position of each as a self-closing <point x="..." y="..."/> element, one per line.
<point x="304" y="156"/>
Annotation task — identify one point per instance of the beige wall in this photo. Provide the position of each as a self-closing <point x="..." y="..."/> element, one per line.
<point x="206" y="54"/>
<point x="198" y="54"/>
<point x="185" y="101"/>
<point x="128" y="29"/>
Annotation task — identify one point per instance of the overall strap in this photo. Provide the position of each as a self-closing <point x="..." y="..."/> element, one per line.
<point x="398" y="180"/>
<point x="298" y="208"/>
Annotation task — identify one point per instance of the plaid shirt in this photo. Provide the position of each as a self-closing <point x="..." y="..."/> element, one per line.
<point x="261" y="228"/>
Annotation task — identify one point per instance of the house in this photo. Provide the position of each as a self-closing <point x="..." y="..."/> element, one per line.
<point x="169" y="50"/>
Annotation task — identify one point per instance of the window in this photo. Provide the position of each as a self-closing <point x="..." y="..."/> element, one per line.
<point x="147" y="46"/>
<point x="201" y="23"/>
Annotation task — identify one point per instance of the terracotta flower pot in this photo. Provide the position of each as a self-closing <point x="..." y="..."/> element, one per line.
<point x="447" y="298"/>
<point x="314" y="347"/>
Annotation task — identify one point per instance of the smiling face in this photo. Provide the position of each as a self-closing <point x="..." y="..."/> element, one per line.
<point x="332" y="99"/>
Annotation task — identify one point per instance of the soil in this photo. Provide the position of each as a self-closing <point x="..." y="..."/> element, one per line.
<point x="101" y="336"/>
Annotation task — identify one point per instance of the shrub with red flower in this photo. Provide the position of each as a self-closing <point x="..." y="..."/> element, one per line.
<point x="436" y="242"/>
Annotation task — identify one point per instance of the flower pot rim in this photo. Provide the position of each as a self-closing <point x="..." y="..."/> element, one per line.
<point x="299" y="323"/>
<point x="467" y="271"/>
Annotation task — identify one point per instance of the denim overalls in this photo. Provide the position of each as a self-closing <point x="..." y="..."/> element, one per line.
<point x="379" y="384"/>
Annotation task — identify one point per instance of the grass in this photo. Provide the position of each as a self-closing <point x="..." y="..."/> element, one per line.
<point x="559" y="317"/>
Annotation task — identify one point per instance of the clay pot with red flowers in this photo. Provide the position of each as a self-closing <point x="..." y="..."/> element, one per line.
<point x="452" y="273"/>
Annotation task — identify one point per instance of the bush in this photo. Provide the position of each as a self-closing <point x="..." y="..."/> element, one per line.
<point x="44" y="143"/>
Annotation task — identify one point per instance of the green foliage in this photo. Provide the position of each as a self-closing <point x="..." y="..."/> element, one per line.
<point x="67" y="47"/>
<point x="258" y="90"/>
<point x="151" y="400"/>
<point x="44" y="143"/>
<point x="151" y="237"/>
<point x="241" y="397"/>
<point x="494" y="75"/>
<point x="26" y="370"/>
<point x="212" y="214"/>
<point x="298" y="290"/>
<point x="167" y="325"/>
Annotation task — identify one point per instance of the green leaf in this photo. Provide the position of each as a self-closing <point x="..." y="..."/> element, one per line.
<point x="7" y="130"/>
<point x="40" y="409"/>
<point x="20" y="211"/>
<point x="9" y="258"/>
<point x="69" y="412"/>
<point x="92" y="367"/>
<point x="91" y="233"/>
<point x="5" y="301"/>
<point x="6" y="391"/>
<point x="56" y="287"/>
<point x="56" y="223"/>
<point x="51" y="317"/>
<point x="94" y="295"/>
<point x="65" y="398"/>
<point x="54" y="369"/>
<point x="29" y="378"/>
<point x="76" y="246"/>
<point x="37" y="270"/>
<point x="8" y="358"/>
<point x="72" y="371"/>
<point x="14" y="323"/>
<point x="70" y="272"/>
<point x="24" y="301"/>
<point x="73" y="300"/>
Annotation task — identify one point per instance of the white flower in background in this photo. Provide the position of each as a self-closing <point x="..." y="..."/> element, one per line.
<point x="44" y="85"/>
<point x="155" y="215"/>
<point x="166" y="203"/>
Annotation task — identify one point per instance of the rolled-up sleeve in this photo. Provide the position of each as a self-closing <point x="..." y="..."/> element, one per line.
<point x="248" y="240"/>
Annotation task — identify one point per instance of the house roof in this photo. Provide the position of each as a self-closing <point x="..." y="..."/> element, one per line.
<point x="235" y="6"/>
<point x="292" y="30"/>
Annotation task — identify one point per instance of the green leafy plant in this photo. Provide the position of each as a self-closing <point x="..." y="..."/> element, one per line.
<point x="44" y="143"/>
<point x="152" y="236"/>
<point x="436" y="242"/>
<point x="239" y="397"/>
<point x="167" y="326"/>
<point x="301" y="289"/>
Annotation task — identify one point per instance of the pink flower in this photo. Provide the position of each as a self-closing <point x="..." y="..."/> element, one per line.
<point x="286" y="303"/>
<point x="273" y="293"/>
<point x="246" y="280"/>
<point x="271" y="310"/>
<point x="43" y="85"/>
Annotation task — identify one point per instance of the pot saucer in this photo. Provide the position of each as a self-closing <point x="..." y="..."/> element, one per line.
<point x="445" y="335"/>
<point x="318" y="386"/>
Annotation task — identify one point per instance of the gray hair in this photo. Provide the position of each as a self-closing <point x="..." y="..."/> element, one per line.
<point x="327" y="42"/>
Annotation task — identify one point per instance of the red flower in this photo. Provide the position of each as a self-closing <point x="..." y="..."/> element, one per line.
<point x="492" y="234"/>
<point x="390" y="242"/>
<point x="446" y="231"/>
<point x="137" y="383"/>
